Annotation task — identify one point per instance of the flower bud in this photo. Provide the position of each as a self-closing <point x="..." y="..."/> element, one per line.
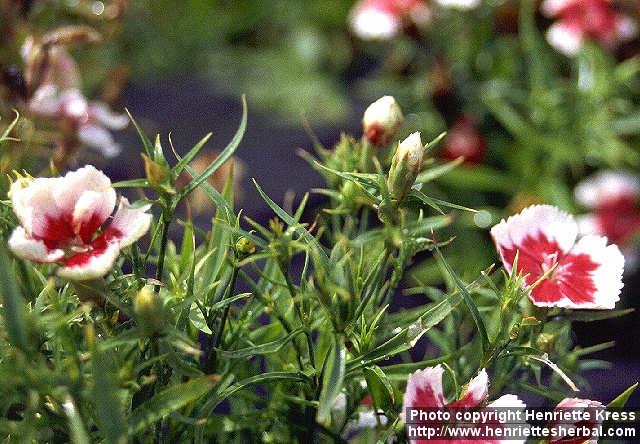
<point x="405" y="166"/>
<point x="158" y="175"/>
<point x="149" y="311"/>
<point x="381" y="120"/>
<point x="245" y="246"/>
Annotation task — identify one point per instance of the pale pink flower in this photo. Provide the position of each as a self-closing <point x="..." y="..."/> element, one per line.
<point x="424" y="390"/>
<point x="588" y="272"/>
<point x="68" y="220"/>
<point x="91" y="121"/>
<point x="384" y="19"/>
<point x="459" y="4"/>
<point x="578" y="405"/>
<point x="581" y="20"/>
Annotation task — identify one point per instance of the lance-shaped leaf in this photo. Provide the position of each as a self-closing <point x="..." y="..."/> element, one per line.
<point x="108" y="409"/>
<point x="226" y="153"/>
<point x="168" y="401"/>
<point x="332" y="379"/>
<point x="260" y="349"/>
<point x="12" y="303"/>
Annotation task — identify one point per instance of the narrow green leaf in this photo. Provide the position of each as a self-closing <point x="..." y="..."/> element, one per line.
<point x="12" y="303"/>
<point x="168" y="401"/>
<point x="132" y="183"/>
<point x="193" y="152"/>
<point x="148" y="147"/>
<point x="594" y="315"/>
<point x="76" y="425"/>
<point x="471" y="305"/>
<point x="222" y="158"/>
<point x="260" y="349"/>
<point x="108" y="410"/>
<point x="332" y="379"/>
<point x="290" y="221"/>
<point x="622" y="398"/>
<point x="436" y="203"/>
<point x="380" y="388"/>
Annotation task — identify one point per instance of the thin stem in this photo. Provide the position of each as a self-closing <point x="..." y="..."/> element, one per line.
<point x="296" y="304"/>
<point x="166" y="221"/>
<point x="218" y="339"/>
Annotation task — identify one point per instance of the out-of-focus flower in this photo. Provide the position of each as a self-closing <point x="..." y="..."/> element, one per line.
<point x="54" y="85"/>
<point x="613" y="198"/>
<point x="68" y="220"/>
<point x="91" y="121"/>
<point x="581" y="20"/>
<point x="424" y="390"/>
<point x="405" y="166"/>
<point x="459" y="4"/>
<point x="381" y="120"/>
<point x="584" y="273"/>
<point x="384" y="19"/>
<point x="578" y="405"/>
<point x="464" y="140"/>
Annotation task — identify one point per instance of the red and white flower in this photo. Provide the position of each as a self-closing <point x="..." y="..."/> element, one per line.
<point x="613" y="198"/>
<point x="464" y="140"/>
<point x="68" y="220"/>
<point x="424" y="390"/>
<point x="587" y="273"/>
<point x="384" y="19"/>
<point x="578" y="405"/>
<point x="381" y="121"/>
<point x="581" y="20"/>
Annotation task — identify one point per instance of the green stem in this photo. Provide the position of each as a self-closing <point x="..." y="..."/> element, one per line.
<point x="218" y="339"/>
<point x="166" y="221"/>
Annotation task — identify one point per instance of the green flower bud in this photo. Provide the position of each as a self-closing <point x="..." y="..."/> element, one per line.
<point x="381" y="120"/>
<point x="545" y="342"/>
<point x="245" y="246"/>
<point x="158" y="175"/>
<point x="405" y="166"/>
<point x="149" y="311"/>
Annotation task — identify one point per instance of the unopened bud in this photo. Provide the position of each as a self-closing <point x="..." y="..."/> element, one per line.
<point x="149" y="311"/>
<point x="545" y="342"/>
<point x="158" y="175"/>
<point x="381" y="120"/>
<point x="405" y="166"/>
<point x="245" y="246"/>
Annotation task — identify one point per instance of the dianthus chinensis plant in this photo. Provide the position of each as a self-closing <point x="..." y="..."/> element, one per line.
<point x="113" y="331"/>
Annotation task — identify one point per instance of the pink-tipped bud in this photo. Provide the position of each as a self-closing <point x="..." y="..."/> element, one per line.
<point x="381" y="120"/>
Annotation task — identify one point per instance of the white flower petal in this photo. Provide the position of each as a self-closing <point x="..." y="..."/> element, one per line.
<point x="607" y="278"/>
<point x="45" y="101"/>
<point x="424" y="389"/>
<point x="565" y="39"/>
<point x="476" y="391"/>
<point x="129" y="224"/>
<point x="33" y="203"/>
<point x="459" y="4"/>
<point x="372" y="24"/>
<point x="100" y="139"/>
<point x="554" y="224"/>
<point x="105" y="117"/>
<point x="606" y="187"/>
<point x="93" y="265"/>
<point x="68" y="189"/>
<point x="551" y="8"/>
<point x="31" y="249"/>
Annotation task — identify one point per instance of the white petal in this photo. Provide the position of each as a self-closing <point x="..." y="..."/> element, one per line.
<point x="105" y="117"/>
<point x="606" y="187"/>
<point x="565" y="39"/>
<point x="129" y="224"/>
<point x="69" y="188"/>
<point x="428" y="379"/>
<point x="74" y="105"/>
<point x="45" y="101"/>
<point x="100" y="139"/>
<point x="97" y="266"/>
<point x="31" y="249"/>
<point x="553" y="223"/>
<point x="372" y="24"/>
<point x="93" y="208"/>
<point x="507" y="401"/>
<point x="608" y="276"/>
<point x="33" y="203"/>
<point x="477" y="390"/>
<point x="459" y="4"/>
<point x="588" y="224"/>
<point x="551" y="8"/>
